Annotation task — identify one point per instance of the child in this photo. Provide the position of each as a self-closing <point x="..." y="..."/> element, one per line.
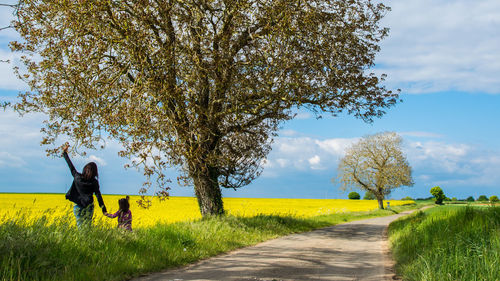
<point x="124" y="214"/>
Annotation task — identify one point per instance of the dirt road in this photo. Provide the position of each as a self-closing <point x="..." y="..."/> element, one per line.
<point x="351" y="251"/>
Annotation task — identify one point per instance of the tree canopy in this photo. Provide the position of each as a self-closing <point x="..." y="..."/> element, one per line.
<point x="200" y="86"/>
<point x="354" y="195"/>
<point x="482" y="198"/>
<point x="376" y="164"/>
<point x="438" y="193"/>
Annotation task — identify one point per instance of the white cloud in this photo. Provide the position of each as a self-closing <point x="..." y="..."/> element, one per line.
<point x="437" y="150"/>
<point x="98" y="160"/>
<point x="315" y="163"/>
<point x="20" y="136"/>
<point x="438" y="45"/>
<point x="441" y="156"/>
<point x="288" y="133"/>
<point x="292" y="145"/>
<point x="446" y="164"/>
<point x="314" y="160"/>
<point x="304" y="154"/>
<point x="433" y="162"/>
<point x="335" y="147"/>
<point x="8" y="80"/>
<point x="282" y="162"/>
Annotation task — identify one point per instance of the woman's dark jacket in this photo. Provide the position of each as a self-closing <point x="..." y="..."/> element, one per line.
<point x="81" y="190"/>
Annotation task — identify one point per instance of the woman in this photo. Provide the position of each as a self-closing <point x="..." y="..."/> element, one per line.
<point x="82" y="189"/>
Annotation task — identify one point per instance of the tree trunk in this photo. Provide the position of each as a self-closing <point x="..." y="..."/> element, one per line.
<point x="380" y="203"/>
<point x="208" y="193"/>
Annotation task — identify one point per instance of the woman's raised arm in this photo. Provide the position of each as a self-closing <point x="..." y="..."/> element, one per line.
<point x="66" y="157"/>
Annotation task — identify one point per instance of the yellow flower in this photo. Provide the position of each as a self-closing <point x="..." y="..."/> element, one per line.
<point x="55" y="206"/>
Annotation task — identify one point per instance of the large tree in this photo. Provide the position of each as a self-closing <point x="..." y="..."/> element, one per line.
<point x="198" y="85"/>
<point x="375" y="164"/>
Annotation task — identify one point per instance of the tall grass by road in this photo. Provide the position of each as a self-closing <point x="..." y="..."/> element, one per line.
<point x="448" y="243"/>
<point x="56" y="250"/>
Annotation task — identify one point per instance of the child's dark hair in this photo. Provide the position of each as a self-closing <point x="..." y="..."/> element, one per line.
<point x="123" y="204"/>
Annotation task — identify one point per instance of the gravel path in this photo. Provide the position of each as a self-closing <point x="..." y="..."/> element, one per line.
<point x="351" y="251"/>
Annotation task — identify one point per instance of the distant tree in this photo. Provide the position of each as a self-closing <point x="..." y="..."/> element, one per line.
<point x="494" y="199"/>
<point x="369" y="196"/>
<point x="482" y="198"/>
<point x="470" y="199"/>
<point x="453" y="198"/>
<point x="446" y="199"/>
<point x="377" y="164"/>
<point x="354" y="195"/>
<point x="407" y="198"/>
<point x="438" y="193"/>
<point x="198" y="86"/>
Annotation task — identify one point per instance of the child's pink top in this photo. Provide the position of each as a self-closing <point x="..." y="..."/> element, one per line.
<point x="124" y="219"/>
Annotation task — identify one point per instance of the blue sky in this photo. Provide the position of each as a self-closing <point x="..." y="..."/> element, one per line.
<point x="444" y="55"/>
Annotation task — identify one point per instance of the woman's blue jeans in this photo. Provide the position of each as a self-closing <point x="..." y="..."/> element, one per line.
<point x="83" y="215"/>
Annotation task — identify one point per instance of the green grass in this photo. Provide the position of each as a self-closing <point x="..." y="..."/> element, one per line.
<point x="448" y="243"/>
<point x="58" y="251"/>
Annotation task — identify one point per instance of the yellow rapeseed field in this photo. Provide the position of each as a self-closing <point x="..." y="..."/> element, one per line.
<point x="55" y="206"/>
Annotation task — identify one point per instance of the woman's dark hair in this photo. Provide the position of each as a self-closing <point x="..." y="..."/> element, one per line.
<point x="124" y="205"/>
<point x="90" y="171"/>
